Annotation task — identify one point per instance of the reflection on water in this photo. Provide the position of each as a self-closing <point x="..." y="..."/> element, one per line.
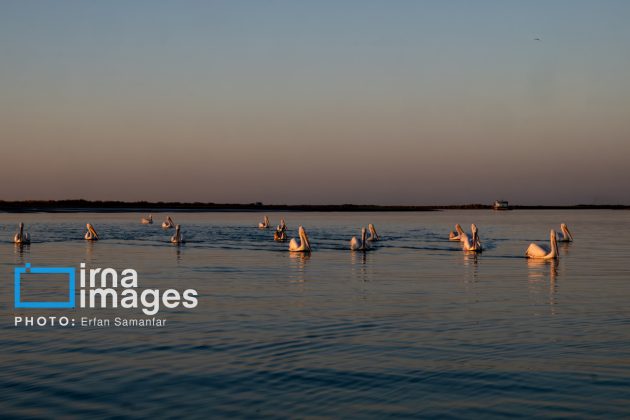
<point x="178" y="252"/>
<point x="539" y="268"/>
<point x="89" y="251"/>
<point x="20" y="251"/>
<point x="413" y="328"/>
<point x="358" y="257"/>
<point x="541" y="274"/>
<point x="299" y="261"/>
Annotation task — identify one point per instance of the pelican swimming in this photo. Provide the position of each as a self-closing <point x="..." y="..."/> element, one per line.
<point x="473" y="245"/>
<point x="458" y="234"/>
<point x="22" y="237"/>
<point x="279" y="235"/>
<point x="303" y="246"/>
<point x="178" y="238"/>
<point x="91" y="234"/>
<point x="360" y="244"/>
<point x="264" y="224"/>
<point x="168" y="223"/>
<point x="566" y="234"/>
<point x="147" y="220"/>
<point x="543" y="252"/>
<point x="373" y="235"/>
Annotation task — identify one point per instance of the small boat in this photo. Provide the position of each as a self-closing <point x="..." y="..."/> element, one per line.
<point x="501" y="205"/>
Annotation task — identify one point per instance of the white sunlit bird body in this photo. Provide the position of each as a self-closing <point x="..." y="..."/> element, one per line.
<point x="304" y="245"/>
<point x="177" y="238"/>
<point x="472" y="244"/>
<point x="91" y="234"/>
<point x="543" y="252"/>
<point x="362" y="244"/>
<point x="21" y="237"/>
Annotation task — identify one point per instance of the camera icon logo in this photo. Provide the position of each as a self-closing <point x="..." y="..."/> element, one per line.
<point x="69" y="271"/>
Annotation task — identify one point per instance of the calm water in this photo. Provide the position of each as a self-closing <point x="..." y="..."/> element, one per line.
<point x="412" y="328"/>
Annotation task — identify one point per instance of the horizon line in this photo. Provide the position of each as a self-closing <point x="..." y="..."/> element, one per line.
<point x="115" y="205"/>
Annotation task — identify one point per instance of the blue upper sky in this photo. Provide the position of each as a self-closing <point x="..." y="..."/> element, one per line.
<point x="407" y="102"/>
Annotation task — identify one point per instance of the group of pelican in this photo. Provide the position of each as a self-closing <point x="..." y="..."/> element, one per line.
<point x="280" y="235"/>
<point x="535" y="251"/>
<point x="168" y="223"/>
<point x="470" y="243"/>
<point x="543" y="252"/>
<point x="23" y="238"/>
<point x="364" y="243"/>
<point x="302" y="244"/>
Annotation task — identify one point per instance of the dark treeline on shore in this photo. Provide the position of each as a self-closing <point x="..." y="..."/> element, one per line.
<point x="123" y="206"/>
<point x="68" y="206"/>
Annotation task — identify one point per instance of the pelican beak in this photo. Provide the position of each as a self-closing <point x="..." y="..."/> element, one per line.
<point x="304" y="238"/>
<point x="554" y="242"/>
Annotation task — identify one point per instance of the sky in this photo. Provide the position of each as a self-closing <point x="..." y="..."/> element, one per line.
<point x="316" y="102"/>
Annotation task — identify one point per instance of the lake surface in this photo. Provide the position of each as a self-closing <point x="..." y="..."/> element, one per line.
<point x="414" y="327"/>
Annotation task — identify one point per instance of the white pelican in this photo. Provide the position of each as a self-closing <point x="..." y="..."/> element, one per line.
<point x="543" y="252"/>
<point x="279" y="235"/>
<point x="458" y="234"/>
<point x="147" y="220"/>
<point x="168" y="223"/>
<point x="264" y="224"/>
<point x="566" y="234"/>
<point x="473" y="245"/>
<point x="373" y="235"/>
<point x="304" y="245"/>
<point x="282" y="226"/>
<point x="91" y="234"/>
<point x="360" y="244"/>
<point x="178" y="238"/>
<point x="22" y="237"/>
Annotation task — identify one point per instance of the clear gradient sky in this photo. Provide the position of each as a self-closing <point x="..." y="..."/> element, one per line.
<point x="384" y="102"/>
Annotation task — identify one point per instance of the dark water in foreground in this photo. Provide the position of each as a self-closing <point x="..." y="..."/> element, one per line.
<point x="413" y="328"/>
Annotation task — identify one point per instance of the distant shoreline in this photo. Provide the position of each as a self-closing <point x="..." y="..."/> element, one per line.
<point x="79" y="206"/>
